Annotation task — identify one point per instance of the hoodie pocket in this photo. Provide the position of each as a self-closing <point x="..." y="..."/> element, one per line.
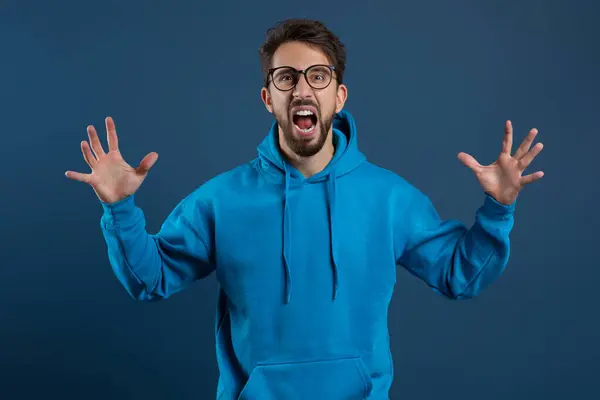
<point x="340" y="378"/>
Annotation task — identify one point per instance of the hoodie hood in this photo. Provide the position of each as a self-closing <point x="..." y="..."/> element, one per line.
<point x="347" y="157"/>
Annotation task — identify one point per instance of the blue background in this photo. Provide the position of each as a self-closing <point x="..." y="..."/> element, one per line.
<point x="426" y="80"/>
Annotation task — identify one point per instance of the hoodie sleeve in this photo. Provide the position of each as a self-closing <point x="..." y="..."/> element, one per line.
<point x="154" y="267"/>
<point x="455" y="261"/>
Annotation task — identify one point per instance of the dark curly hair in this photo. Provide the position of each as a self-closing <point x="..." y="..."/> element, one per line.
<point x="311" y="32"/>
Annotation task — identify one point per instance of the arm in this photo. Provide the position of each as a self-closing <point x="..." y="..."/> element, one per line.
<point x="455" y="261"/>
<point x="154" y="267"/>
<point x="150" y="267"/>
<point x="460" y="262"/>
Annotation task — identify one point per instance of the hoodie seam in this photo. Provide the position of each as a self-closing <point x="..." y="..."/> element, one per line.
<point x="122" y="251"/>
<point x="116" y="229"/>
<point x="395" y="227"/>
<point x="479" y="272"/>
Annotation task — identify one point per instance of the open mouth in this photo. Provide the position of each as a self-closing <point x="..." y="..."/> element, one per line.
<point x="304" y="120"/>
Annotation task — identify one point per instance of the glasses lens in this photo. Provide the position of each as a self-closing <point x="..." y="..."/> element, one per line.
<point x="318" y="76"/>
<point x="284" y="78"/>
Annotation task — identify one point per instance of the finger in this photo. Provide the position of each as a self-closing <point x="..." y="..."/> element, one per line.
<point x="468" y="161"/>
<point x="527" y="179"/>
<point x="87" y="154"/>
<point x="508" y="138"/>
<point x="147" y="163"/>
<point x="95" y="142"/>
<point x="78" y="176"/>
<point x="111" y="135"/>
<point x="524" y="147"/>
<point x="531" y="154"/>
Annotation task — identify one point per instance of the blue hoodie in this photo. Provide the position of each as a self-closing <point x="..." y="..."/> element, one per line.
<point x="306" y="267"/>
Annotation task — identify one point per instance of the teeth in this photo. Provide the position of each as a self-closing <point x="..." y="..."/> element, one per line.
<point x="304" y="112"/>
<point x="305" y="130"/>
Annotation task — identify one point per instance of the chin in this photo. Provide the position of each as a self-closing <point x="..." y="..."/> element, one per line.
<point x="306" y="145"/>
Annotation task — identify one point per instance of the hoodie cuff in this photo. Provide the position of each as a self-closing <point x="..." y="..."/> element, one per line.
<point x="122" y="212"/>
<point x="494" y="210"/>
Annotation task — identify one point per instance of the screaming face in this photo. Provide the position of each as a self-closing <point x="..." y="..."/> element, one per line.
<point x="304" y="114"/>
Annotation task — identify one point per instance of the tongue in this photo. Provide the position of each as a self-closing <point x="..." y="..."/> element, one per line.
<point x="303" y="122"/>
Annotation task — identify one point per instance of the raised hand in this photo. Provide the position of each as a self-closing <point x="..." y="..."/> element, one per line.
<point x="111" y="178"/>
<point x="503" y="179"/>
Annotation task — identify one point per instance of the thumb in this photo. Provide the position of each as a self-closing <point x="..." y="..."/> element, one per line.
<point x="147" y="163"/>
<point x="468" y="161"/>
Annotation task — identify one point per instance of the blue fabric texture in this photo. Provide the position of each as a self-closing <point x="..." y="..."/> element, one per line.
<point x="306" y="267"/>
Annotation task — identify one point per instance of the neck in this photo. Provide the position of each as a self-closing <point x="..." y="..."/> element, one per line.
<point x="309" y="166"/>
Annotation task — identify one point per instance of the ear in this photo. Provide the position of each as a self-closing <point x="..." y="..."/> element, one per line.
<point x="266" y="98"/>
<point x="340" y="97"/>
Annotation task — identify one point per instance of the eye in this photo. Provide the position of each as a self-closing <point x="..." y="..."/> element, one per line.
<point x="319" y="75"/>
<point x="284" y="75"/>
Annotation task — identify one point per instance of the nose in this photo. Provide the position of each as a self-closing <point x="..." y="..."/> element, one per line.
<point x="303" y="89"/>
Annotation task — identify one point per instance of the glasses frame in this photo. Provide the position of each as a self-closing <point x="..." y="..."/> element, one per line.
<point x="297" y="74"/>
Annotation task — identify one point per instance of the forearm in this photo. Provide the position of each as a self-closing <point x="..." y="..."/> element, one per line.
<point x="132" y="252"/>
<point x="453" y="260"/>
<point x="153" y="267"/>
<point x="482" y="253"/>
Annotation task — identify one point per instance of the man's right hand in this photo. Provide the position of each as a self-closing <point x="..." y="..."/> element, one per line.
<point x="112" y="178"/>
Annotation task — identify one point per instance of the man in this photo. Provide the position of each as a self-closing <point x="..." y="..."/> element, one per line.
<point x="304" y="239"/>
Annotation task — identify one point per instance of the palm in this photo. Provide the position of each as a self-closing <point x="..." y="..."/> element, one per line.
<point x="503" y="179"/>
<point x="112" y="178"/>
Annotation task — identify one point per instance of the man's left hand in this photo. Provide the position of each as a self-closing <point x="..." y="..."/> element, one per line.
<point x="503" y="180"/>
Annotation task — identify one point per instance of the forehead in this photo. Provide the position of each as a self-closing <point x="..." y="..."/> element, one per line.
<point x="298" y="55"/>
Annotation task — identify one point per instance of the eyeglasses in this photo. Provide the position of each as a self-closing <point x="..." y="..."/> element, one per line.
<point x="286" y="78"/>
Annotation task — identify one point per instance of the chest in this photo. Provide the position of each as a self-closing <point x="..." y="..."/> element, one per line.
<point x="250" y="240"/>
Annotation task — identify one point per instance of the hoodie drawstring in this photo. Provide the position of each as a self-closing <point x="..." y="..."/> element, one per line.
<point x="287" y="240"/>
<point x="287" y="233"/>
<point x="332" y="237"/>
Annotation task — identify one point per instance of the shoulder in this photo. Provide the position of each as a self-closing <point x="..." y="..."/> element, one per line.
<point x="397" y="191"/>
<point x="388" y="179"/>
<point x="223" y="184"/>
<point x="406" y="201"/>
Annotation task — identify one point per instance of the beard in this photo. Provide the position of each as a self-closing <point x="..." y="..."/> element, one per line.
<point x="299" y="145"/>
